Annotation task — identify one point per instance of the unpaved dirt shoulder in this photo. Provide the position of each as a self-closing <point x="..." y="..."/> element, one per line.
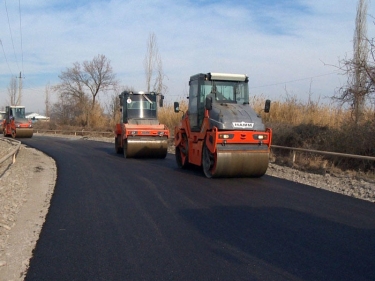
<point x="26" y="188"/>
<point x="343" y="183"/>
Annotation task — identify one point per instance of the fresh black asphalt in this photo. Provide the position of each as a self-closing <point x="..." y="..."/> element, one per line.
<point x="144" y="219"/>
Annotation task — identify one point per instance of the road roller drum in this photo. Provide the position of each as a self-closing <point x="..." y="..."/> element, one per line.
<point x="234" y="163"/>
<point x="149" y="147"/>
<point x="24" y="132"/>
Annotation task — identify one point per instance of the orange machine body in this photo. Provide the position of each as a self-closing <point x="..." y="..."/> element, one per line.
<point x="140" y="134"/>
<point x="220" y="131"/>
<point x="15" y="124"/>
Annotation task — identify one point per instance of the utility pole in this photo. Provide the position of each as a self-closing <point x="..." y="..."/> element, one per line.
<point x="18" y="102"/>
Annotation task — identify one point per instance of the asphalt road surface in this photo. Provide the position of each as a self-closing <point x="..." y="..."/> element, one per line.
<point x="144" y="219"/>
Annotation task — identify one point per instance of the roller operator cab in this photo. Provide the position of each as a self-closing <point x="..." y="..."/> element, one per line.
<point x="15" y="123"/>
<point x="220" y="131"/>
<point x="139" y="133"/>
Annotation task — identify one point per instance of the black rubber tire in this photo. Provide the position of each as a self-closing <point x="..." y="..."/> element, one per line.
<point x="208" y="162"/>
<point x="180" y="163"/>
<point x="118" y="148"/>
<point x="181" y="152"/>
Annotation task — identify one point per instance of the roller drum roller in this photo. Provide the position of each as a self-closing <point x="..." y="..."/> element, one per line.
<point x="24" y="132"/>
<point x="146" y="147"/>
<point x="235" y="163"/>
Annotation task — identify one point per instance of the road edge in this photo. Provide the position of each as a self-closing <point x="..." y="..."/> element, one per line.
<point x="24" y="234"/>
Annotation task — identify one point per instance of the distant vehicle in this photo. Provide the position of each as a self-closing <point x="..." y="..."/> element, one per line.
<point x="15" y="124"/>
<point x="35" y="117"/>
<point x="139" y="132"/>
<point x="2" y="117"/>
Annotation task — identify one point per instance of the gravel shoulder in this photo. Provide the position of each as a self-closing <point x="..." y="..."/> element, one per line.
<point x="26" y="188"/>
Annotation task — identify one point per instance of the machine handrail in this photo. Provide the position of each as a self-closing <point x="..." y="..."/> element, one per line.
<point x="363" y="157"/>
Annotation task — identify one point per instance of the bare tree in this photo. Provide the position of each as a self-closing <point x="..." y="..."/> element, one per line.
<point x="15" y="90"/>
<point x="370" y="70"/>
<point x="12" y="91"/>
<point x="70" y="92"/>
<point x="153" y="63"/>
<point x="149" y="61"/>
<point x="47" y="100"/>
<point x="98" y="76"/>
<point x="84" y="80"/>
<point x="113" y="109"/>
<point x="159" y="85"/>
<point x="357" y="69"/>
<point x="360" y="59"/>
<point x="71" y="83"/>
<point x="113" y="105"/>
<point x="19" y="97"/>
<point x="70" y="111"/>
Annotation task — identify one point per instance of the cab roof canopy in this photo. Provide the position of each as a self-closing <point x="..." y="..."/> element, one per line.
<point x="221" y="76"/>
<point x="139" y="93"/>
<point x="16" y="106"/>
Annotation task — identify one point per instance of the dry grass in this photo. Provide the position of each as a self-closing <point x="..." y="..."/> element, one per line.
<point x="168" y="117"/>
<point x="295" y="112"/>
<point x="290" y="111"/>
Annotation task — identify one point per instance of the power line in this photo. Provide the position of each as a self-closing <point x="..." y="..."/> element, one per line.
<point x="1" y="43"/>
<point x="11" y="35"/>
<point x="280" y="83"/>
<point x="292" y="81"/>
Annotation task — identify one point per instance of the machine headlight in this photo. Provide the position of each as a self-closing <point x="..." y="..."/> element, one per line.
<point x="161" y="134"/>
<point x="133" y="132"/>
<point x="226" y="136"/>
<point x="260" y="137"/>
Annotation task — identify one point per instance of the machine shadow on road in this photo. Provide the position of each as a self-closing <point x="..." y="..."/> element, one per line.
<point x="303" y="245"/>
<point x="108" y="150"/>
<point x="168" y="162"/>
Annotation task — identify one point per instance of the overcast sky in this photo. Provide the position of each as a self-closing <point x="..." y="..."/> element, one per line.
<point x="282" y="45"/>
